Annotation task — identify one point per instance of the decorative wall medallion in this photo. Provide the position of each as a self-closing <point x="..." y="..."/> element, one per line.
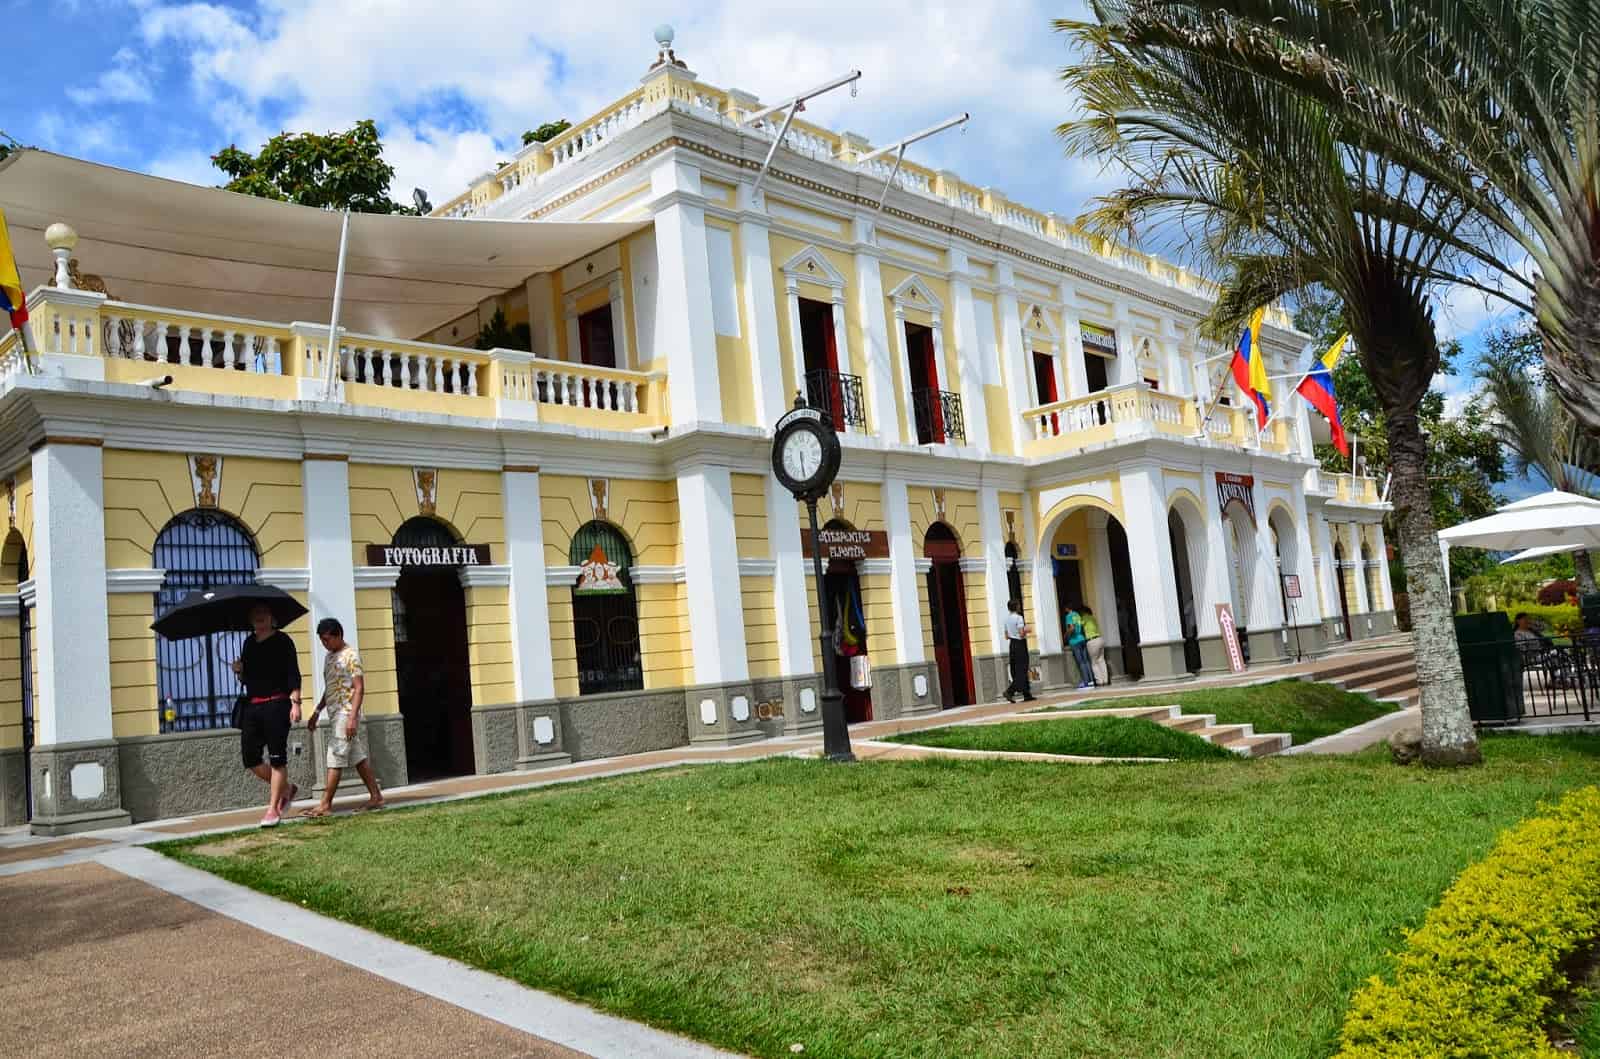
<point x="600" y="498"/>
<point x="919" y="686"/>
<point x="708" y="711"/>
<point x="206" y="474"/>
<point x="427" y="483"/>
<point x="836" y="499"/>
<point x="771" y="710"/>
<point x="740" y="708"/>
<point x="938" y="504"/>
<point x="808" y="700"/>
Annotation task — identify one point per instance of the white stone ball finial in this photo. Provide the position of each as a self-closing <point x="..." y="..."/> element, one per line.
<point x="62" y="240"/>
<point x="664" y="36"/>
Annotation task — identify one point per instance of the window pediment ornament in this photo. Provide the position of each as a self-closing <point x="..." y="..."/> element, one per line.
<point x="813" y="266"/>
<point x="913" y="293"/>
<point x="1036" y="322"/>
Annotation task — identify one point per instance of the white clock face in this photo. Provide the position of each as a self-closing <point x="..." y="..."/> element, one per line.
<point x="802" y="455"/>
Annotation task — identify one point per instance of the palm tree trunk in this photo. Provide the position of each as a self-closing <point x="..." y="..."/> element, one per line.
<point x="1585" y="569"/>
<point x="1448" y="737"/>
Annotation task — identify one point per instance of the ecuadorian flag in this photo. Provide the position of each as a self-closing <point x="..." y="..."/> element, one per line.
<point x="1250" y="370"/>
<point x="1317" y="387"/>
<point x="12" y="299"/>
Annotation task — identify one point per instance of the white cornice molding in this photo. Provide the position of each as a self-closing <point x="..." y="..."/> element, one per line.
<point x="871" y="567"/>
<point x="486" y="576"/>
<point x="288" y="578"/>
<point x="27" y="592"/>
<point x="656" y="575"/>
<point x="10" y="605"/>
<point x="132" y="581"/>
<point x="972" y="564"/>
<point x="377" y="576"/>
<point x="561" y="576"/>
<point x="758" y="567"/>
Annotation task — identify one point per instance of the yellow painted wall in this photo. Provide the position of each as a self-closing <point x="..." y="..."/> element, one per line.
<point x="664" y="636"/>
<point x="735" y="371"/>
<point x="1002" y="441"/>
<point x="760" y="626"/>
<point x="144" y="490"/>
<point x="949" y="376"/>
<point x="383" y="497"/>
<point x="784" y="249"/>
<point x="563" y="642"/>
<point x="23" y="491"/>
<point x="135" y="703"/>
<point x="375" y="621"/>
<point x="750" y="516"/>
<point x="10" y="683"/>
<point x="489" y="646"/>
<point x="1075" y="530"/>
<point x="961" y="515"/>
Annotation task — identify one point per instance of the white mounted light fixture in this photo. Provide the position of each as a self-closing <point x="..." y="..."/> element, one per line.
<point x="899" y="149"/>
<point x="793" y="105"/>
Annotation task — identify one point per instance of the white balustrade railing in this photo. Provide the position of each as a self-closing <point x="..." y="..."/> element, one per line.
<point x="575" y="144"/>
<point x="371" y="361"/>
<point x="12" y="357"/>
<point x="1133" y="403"/>
<point x="131" y="332"/>
<point x="579" y="386"/>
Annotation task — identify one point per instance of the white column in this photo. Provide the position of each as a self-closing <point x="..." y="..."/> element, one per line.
<point x="68" y="566"/>
<point x="797" y="351"/>
<point x="791" y="582"/>
<point x="975" y="409"/>
<point x="684" y="331"/>
<point x="877" y="369"/>
<point x="1072" y="351"/>
<point x="1144" y="493"/>
<point x="1384" y="584"/>
<point x="903" y="552"/>
<point x="1177" y="377"/>
<point x="1046" y="616"/>
<point x="329" y="554"/>
<point x="1218" y="586"/>
<point x="761" y="306"/>
<point x="908" y="424"/>
<point x="1013" y="358"/>
<point x="994" y="565"/>
<point x="711" y="570"/>
<point x="1330" y="572"/>
<point x="1126" y="369"/>
<point x="543" y="315"/>
<point x="530" y="601"/>
<point x="1353" y="554"/>
<point x="1305" y="608"/>
<point x="1266" y="594"/>
<point x="841" y="334"/>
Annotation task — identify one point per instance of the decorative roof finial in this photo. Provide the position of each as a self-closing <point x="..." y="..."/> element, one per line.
<point x="664" y="54"/>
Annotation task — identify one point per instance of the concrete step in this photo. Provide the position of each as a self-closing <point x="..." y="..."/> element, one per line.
<point x="1225" y="734"/>
<point x="1267" y="743"/>
<point x="1188" y="722"/>
<point x="1334" y="671"/>
<point x="1367" y="674"/>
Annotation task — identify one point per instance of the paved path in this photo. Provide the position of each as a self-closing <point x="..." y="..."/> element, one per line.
<point x="107" y="949"/>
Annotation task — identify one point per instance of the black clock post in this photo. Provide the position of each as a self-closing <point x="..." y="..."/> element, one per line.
<point x="805" y="459"/>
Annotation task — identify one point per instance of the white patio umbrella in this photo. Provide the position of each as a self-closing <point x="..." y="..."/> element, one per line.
<point x="1555" y="520"/>
<point x="1537" y="553"/>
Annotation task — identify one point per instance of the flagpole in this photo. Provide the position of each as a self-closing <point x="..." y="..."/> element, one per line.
<point x="333" y="319"/>
<point x="29" y="349"/>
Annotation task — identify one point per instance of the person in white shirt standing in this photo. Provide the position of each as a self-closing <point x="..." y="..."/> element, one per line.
<point x="1017" y="640"/>
<point x="344" y="686"/>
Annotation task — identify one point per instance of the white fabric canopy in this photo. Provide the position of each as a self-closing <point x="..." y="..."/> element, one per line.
<point x="1558" y="520"/>
<point x="166" y="243"/>
<point x="1538" y="553"/>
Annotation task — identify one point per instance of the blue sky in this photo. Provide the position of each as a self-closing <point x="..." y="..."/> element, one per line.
<point x="159" y="86"/>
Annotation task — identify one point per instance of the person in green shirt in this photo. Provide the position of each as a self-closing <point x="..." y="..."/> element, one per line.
<point x="1095" y="647"/>
<point x="1072" y="626"/>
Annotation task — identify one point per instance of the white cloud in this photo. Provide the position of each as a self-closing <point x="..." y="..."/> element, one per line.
<point x="315" y="65"/>
<point x="127" y="81"/>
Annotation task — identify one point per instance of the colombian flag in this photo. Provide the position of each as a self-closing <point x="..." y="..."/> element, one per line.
<point x="12" y="299"/>
<point x="1317" y="387"/>
<point x="1250" y="370"/>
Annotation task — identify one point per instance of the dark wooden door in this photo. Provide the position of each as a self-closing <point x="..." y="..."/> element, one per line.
<point x="434" y="673"/>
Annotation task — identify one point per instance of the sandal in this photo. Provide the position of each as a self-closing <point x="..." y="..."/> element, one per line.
<point x="370" y="807"/>
<point x="316" y="811"/>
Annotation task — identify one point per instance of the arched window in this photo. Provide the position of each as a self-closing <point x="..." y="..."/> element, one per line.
<point x="195" y="684"/>
<point x="605" y="611"/>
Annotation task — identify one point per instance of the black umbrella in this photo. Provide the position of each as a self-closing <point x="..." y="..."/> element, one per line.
<point x="226" y="608"/>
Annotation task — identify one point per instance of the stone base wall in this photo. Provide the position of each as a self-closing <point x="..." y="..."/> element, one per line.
<point x="13" y="788"/>
<point x="76" y="787"/>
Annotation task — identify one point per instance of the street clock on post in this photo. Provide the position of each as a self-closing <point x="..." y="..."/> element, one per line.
<point x="805" y="452"/>
<point x="805" y="458"/>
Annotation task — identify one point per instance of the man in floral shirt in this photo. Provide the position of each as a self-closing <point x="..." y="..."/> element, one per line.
<point x="343" y="688"/>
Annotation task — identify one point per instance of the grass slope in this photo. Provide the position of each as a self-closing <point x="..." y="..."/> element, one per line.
<point x="972" y="908"/>
<point x="1090" y="736"/>
<point x="1305" y="710"/>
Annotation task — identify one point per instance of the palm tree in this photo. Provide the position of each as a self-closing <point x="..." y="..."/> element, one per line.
<point x="1496" y="102"/>
<point x="1266" y="186"/>
<point x="1542" y="435"/>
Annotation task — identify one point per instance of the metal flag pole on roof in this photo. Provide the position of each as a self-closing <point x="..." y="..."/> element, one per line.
<point x="794" y="105"/>
<point x="899" y="149"/>
<point x="332" y="353"/>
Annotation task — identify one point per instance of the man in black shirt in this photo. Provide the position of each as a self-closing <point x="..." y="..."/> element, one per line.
<point x="269" y="668"/>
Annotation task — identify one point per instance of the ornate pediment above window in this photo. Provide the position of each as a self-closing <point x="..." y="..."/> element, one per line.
<point x="812" y="266"/>
<point x="913" y="293"/>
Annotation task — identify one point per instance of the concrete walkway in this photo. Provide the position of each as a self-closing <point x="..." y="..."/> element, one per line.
<point x="109" y="949"/>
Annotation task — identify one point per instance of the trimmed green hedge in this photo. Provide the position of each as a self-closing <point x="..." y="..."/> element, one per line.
<point x="1477" y="977"/>
<point x="1561" y="620"/>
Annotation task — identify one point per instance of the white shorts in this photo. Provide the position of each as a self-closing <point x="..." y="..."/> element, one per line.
<point x="342" y="752"/>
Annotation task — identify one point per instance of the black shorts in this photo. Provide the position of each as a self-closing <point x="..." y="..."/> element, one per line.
<point x="265" y="726"/>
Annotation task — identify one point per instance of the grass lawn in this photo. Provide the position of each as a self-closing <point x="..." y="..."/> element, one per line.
<point x="1093" y="736"/>
<point x="933" y="908"/>
<point x="1305" y="710"/>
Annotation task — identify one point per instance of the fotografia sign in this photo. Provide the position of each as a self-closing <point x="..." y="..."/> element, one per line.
<point x="1230" y="637"/>
<point x="456" y="555"/>
<point x="846" y="544"/>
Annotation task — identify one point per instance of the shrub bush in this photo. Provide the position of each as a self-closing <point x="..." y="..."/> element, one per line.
<point x="1563" y="620"/>
<point x="1477" y="977"/>
<point x="1557" y="593"/>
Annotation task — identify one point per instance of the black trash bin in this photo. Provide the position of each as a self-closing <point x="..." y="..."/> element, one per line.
<point x="1492" y="667"/>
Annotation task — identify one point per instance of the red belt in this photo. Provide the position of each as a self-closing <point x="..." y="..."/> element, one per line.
<point x="269" y="698"/>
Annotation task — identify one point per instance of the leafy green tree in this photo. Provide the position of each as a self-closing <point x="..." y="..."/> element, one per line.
<point x="1465" y="458"/>
<point x="497" y="334"/>
<point x="331" y="171"/>
<point x="546" y="132"/>
<point x="1269" y="187"/>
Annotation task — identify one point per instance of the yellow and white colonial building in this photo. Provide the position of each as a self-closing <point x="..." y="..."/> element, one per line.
<point x="580" y="551"/>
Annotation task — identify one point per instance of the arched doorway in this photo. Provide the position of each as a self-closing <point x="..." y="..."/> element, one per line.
<point x="1239" y="537"/>
<point x="1091" y="571"/>
<point x="13" y="572"/>
<point x="841" y="585"/>
<point x="1344" y="592"/>
<point x="432" y="666"/>
<point x="195" y="685"/>
<point x="1127" y="600"/>
<point x="605" y="611"/>
<point x="947" y="611"/>
<point x="1183" y="578"/>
